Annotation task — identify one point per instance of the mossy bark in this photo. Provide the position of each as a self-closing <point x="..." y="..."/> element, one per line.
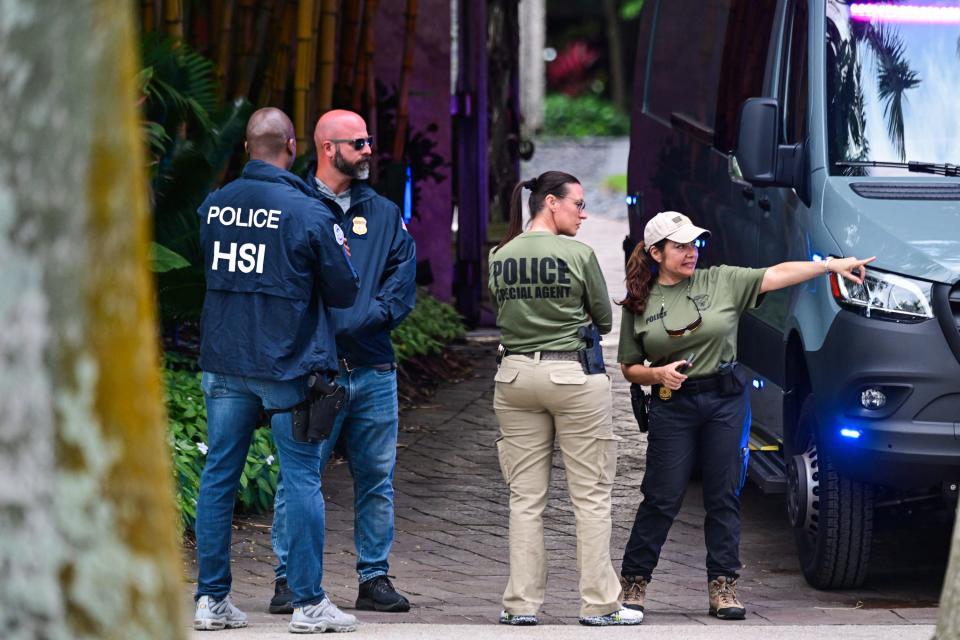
<point x="948" y="622"/>
<point x="88" y="543"/>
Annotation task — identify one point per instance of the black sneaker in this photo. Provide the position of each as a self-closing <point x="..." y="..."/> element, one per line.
<point x="378" y="594"/>
<point x="282" y="601"/>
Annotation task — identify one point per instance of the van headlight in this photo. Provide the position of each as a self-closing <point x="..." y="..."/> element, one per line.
<point x="884" y="295"/>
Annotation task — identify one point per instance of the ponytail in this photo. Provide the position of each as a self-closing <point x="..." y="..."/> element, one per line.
<point x="641" y="271"/>
<point x="547" y="183"/>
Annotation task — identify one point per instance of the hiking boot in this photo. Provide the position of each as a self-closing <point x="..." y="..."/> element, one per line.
<point x="320" y="617"/>
<point x="723" y="599"/>
<point x="378" y="594"/>
<point x="282" y="601"/>
<point x="521" y="620"/>
<point x="213" y="615"/>
<point x="633" y="592"/>
<point x="621" y="617"/>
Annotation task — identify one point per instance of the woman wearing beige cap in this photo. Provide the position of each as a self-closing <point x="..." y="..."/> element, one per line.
<point x="683" y="321"/>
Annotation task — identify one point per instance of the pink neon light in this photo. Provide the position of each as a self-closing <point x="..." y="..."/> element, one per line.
<point x="926" y="14"/>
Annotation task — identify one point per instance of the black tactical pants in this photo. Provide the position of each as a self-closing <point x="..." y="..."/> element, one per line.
<point x="688" y="427"/>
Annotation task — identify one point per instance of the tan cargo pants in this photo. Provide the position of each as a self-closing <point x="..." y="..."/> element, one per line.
<point x="536" y="401"/>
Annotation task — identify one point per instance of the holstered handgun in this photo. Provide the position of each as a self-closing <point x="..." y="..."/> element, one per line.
<point x="591" y="358"/>
<point x="314" y="417"/>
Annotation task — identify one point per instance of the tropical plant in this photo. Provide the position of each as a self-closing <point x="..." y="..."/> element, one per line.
<point x="894" y="79"/>
<point x="583" y="116"/>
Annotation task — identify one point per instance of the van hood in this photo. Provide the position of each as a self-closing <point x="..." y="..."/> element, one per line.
<point x="917" y="238"/>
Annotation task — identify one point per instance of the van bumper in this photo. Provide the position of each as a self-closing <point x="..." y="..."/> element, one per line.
<point x="912" y="441"/>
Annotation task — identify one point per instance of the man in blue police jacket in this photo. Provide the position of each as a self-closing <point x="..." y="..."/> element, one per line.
<point x="384" y="255"/>
<point x="274" y="262"/>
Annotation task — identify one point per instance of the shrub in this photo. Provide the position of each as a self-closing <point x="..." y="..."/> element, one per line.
<point x="583" y="116"/>
<point x="428" y="328"/>
<point x="188" y="442"/>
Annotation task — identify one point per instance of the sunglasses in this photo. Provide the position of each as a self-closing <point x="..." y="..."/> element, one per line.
<point x="356" y="142"/>
<point x="693" y="326"/>
<point x="580" y="204"/>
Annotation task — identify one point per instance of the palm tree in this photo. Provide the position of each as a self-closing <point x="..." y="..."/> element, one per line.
<point x="894" y="78"/>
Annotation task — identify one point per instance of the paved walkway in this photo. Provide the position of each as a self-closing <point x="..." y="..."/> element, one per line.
<point x="450" y="553"/>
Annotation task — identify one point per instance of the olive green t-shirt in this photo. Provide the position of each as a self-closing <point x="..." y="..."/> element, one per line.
<point x="719" y="294"/>
<point x="544" y="288"/>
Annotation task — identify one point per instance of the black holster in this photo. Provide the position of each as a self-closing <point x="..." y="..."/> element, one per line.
<point x="314" y="417"/>
<point x="591" y="358"/>
<point x="641" y="409"/>
<point x="732" y="382"/>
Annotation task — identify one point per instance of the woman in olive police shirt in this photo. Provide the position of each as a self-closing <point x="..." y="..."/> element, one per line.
<point x="546" y="288"/>
<point x="674" y="312"/>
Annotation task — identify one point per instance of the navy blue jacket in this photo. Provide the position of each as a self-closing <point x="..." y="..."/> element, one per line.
<point x="274" y="262"/>
<point x="384" y="254"/>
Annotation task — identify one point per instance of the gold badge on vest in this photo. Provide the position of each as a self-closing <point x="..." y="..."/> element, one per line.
<point x="360" y="226"/>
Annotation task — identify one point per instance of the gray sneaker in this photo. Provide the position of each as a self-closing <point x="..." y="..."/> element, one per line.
<point x="622" y="617"/>
<point x="213" y="615"/>
<point x="320" y="617"/>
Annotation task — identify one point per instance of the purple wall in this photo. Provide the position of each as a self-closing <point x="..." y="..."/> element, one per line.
<point x="429" y="104"/>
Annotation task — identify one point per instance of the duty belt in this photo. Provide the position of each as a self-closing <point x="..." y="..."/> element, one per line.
<point x="573" y="356"/>
<point x="690" y="386"/>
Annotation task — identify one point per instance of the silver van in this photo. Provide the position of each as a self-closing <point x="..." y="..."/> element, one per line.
<point x="796" y="130"/>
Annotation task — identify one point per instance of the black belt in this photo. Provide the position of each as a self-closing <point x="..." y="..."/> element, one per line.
<point x="572" y="356"/>
<point x="347" y="366"/>
<point x="695" y="385"/>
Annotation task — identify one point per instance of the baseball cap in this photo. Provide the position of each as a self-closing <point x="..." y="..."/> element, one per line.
<point x="673" y="226"/>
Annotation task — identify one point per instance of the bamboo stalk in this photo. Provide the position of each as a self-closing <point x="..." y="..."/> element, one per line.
<point x="349" y="41"/>
<point x="366" y="48"/>
<point x="403" y="97"/>
<point x="328" y="49"/>
<point x="147" y="16"/>
<point x="173" y="18"/>
<point x="253" y="59"/>
<point x="225" y="45"/>
<point x="274" y="87"/>
<point x="305" y="54"/>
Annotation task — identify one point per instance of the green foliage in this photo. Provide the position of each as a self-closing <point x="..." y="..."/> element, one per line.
<point x="630" y="9"/>
<point x="616" y="182"/>
<point x="582" y="116"/>
<point x="428" y="328"/>
<point x="188" y="442"/>
<point x="166" y="260"/>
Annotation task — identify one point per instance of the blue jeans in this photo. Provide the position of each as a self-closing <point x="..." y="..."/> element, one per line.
<point x="368" y="421"/>
<point x="233" y="403"/>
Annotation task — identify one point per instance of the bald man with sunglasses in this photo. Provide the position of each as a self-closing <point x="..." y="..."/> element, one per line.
<point x="383" y="253"/>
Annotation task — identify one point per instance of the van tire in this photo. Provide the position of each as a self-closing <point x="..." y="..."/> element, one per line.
<point x="834" y="542"/>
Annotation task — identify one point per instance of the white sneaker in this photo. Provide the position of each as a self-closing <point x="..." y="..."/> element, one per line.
<point x="213" y="615"/>
<point x="622" y="617"/>
<point x="320" y="617"/>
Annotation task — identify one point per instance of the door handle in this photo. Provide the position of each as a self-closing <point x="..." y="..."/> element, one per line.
<point x="748" y="193"/>
<point x="764" y="203"/>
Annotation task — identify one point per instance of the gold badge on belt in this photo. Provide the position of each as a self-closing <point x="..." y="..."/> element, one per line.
<point x="360" y="226"/>
<point x="665" y="393"/>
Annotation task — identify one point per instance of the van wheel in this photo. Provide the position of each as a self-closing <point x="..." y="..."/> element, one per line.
<point x="832" y="516"/>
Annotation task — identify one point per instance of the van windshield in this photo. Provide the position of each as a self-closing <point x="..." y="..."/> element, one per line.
<point x="893" y="84"/>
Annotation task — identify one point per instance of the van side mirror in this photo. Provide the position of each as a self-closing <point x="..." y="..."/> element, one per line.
<point x="762" y="160"/>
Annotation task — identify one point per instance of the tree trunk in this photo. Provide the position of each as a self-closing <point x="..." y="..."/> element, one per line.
<point x="948" y="622"/>
<point x="148" y="20"/>
<point x="305" y="56"/>
<point x="403" y="94"/>
<point x="328" y="50"/>
<point x="88" y="539"/>
<point x="615" y="53"/>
